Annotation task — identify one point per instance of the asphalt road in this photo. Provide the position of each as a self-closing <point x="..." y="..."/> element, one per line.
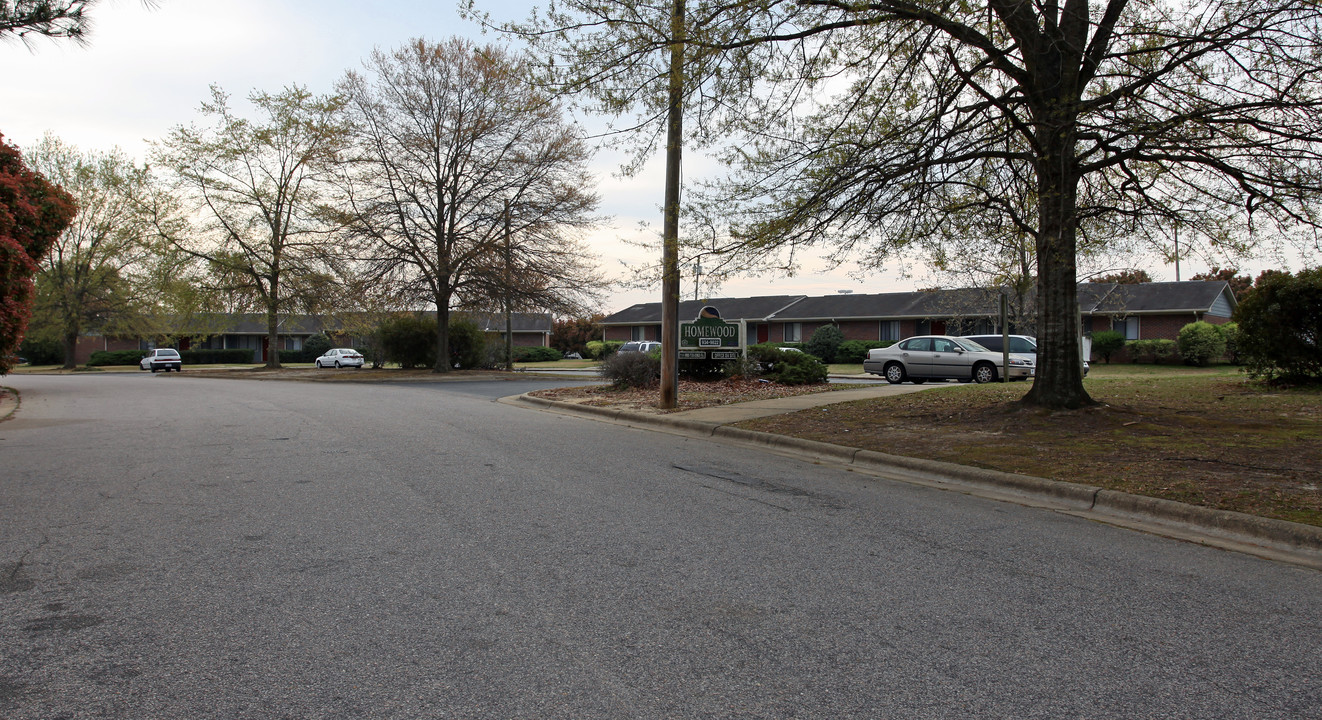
<point x="180" y="547"/>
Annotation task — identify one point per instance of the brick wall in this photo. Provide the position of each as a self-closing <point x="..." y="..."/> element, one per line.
<point x="1163" y="327"/>
<point x="868" y="330"/>
<point x="89" y="344"/>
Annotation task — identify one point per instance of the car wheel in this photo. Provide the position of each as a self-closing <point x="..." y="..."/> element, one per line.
<point x="337" y="364"/>
<point x="984" y="373"/>
<point x="895" y="373"/>
<point x="153" y="368"/>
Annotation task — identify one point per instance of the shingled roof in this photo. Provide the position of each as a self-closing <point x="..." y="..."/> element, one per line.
<point x="754" y="308"/>
<point x="296" y="324"/>
<point x="1159" y="297"/>
<point x="1094" y="299"/>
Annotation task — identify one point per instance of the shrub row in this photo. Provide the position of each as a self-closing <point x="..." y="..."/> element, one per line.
<point x="102" y="358"/>
<point x="856" y="351"/>
<point x="233" y="356"/>
<point x="1200" y="343"/>
<point x="535" y="353"/>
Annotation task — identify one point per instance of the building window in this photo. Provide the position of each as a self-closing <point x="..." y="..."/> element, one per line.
<point x="890" y="330"/>
<point x="637" y="332"/>
<point x="1127" y="326"/>
<point x="793" y="332"/>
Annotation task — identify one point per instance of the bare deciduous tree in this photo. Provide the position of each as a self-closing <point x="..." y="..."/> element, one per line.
<point x="446" y="136"/>
<point x="254" y="187"/>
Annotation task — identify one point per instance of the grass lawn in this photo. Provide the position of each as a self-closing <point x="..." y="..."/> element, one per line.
<point x="556" y="365"/>
<point x="1202" y="436"/>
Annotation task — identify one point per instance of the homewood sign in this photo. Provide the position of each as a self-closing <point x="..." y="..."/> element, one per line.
<point x="708" y="337"/>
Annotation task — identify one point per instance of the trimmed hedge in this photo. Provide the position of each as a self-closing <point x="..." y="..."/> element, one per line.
<point x="535" y="353"/>
<point x="294" y="356"/>
<point x="856" y="351"/>
<point x="101" y="358"/>
<point x="1151" y="351"/>
<point x="233" y="356"/>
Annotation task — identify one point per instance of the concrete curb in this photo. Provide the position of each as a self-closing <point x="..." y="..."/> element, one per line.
<point x="9" y="401"/>
<point x="1280" y="540"/>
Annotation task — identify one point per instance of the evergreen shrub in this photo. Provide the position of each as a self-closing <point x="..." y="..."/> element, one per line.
<point x="1279" y="336"/>
<point x="1200" y="343"/>
<point x="1107" y="342"/>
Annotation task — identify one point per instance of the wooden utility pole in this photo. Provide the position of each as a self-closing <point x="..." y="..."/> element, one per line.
<point x="670" y="231"/>
<point x="509" y="275"/>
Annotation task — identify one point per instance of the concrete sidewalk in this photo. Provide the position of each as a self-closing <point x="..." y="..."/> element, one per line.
<point x="727" y="414"/>
<point x="1293" y="543"/>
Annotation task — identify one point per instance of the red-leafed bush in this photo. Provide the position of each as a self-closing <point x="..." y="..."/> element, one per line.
<point x="33" y="213"/>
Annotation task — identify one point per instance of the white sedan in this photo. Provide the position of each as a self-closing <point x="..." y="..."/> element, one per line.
<point x="340" y="357"/>
<point x="941" y="357"/>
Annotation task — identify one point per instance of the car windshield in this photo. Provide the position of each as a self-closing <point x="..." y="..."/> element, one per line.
<point x="166" y="353"/>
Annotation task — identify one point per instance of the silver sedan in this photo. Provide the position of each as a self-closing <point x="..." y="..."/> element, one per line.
<point x="941" y="357"/>
<point x="340" y="357"/>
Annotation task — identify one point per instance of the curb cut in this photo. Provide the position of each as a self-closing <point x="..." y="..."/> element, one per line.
<point x="1280" y="540"/>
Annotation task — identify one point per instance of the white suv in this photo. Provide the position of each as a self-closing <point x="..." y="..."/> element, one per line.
<point x="639" y="346"/>
<point x="1022" y="344"/>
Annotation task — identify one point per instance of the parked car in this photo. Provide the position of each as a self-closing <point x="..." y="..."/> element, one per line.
<point x="941" y="357"/>
<point x="340" y="357"/>
<point x="166" y="359"/>
<point x="1022" y="344"/>
<point x="639" y="346"/>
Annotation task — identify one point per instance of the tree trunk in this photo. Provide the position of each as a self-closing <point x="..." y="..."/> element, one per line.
<point x="443" y="364"/>
<point x="71" y="350"/>
<point x="1059" y="383"/>
<point x="272" y="337"/>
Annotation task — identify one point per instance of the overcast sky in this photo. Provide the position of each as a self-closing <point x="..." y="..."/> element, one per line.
<point x="147" y="70"/>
